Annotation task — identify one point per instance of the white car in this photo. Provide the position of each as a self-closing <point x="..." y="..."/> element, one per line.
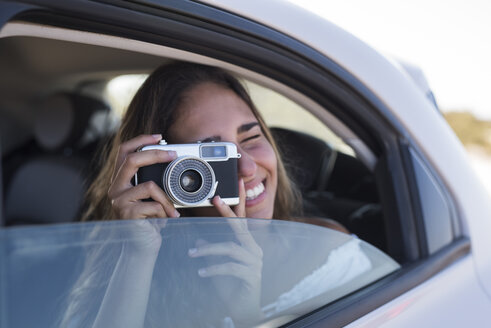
<point x="361" y="137"/>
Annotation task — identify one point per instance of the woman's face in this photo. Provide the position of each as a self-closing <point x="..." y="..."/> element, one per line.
<point x="213" y="113"/>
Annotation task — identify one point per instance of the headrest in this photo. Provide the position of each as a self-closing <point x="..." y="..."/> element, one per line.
<point x="45" y="190"/>
<point x="304" y="156"/>
<point x="63" y="118"/>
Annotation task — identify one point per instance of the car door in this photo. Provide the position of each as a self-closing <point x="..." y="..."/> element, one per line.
<point x="423" y="213"/>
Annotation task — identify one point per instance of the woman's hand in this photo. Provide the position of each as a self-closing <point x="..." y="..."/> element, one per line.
<point x="225" y="210"/>
<point x="246" y="265"/>
<point x="126" y="199"/>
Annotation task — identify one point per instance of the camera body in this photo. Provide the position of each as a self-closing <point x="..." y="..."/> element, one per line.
<point x="200" y="172"/>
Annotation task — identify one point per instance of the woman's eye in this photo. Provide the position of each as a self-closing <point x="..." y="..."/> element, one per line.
<point x="251" y="138"/>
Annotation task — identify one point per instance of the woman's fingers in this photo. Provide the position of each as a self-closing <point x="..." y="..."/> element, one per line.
<point x="225" y="210"/>
<point x="239" y="226"/>
<point x="140" y="210"/>
<point x="132" y="146"/>
<point x="222" y="208"/>
<point x="240" y="271"/>
<point x="149" y="189"/>
<point x="241" y="230"/>
<point x="239" y="209"/>
<point x="226" y="249"/>
<point x="131" y="164"/>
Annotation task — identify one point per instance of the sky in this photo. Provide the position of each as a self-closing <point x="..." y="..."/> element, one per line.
<point x="449" y="40"/>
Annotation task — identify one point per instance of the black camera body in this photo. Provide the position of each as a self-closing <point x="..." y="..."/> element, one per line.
<point x="200" y="172"/>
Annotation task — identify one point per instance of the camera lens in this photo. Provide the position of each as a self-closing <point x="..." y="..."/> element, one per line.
<point x="191" y="181"/>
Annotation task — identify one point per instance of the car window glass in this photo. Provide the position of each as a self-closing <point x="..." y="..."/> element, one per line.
<point x="435" y="209"/>
<point x="60" y="275"/>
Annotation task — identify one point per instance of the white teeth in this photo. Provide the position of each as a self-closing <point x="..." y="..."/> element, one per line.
<point x="256" y="191"/>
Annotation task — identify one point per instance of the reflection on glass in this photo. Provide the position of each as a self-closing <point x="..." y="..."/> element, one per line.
<point x="180" y="273"/>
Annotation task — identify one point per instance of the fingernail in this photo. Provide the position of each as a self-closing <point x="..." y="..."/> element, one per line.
<point x="202" y="272"/>
<point x="172" y="153"/>
<point x="176" y="214"/>
<point x="220" y="200"/>
<point x="192" y="251"/>
<point x="157" y="136"/>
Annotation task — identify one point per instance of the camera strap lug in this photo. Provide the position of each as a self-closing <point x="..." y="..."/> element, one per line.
<point x="214" y="189"/>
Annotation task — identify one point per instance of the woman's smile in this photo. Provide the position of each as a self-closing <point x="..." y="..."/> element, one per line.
<point x="255" y="195"/>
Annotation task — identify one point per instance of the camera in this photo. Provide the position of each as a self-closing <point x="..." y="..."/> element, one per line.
<point x="200" y="172"/>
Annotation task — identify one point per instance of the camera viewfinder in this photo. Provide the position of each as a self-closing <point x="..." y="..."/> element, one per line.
<point x="213" y="151"/>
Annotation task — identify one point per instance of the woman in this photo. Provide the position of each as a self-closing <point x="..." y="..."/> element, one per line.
<point x="187" y="103"/>
<point x="182" y="103"/>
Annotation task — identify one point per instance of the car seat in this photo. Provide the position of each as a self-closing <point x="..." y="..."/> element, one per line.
<point x="308" y="160"/>
<point x="47" y="184"/>
<point x="333" y="185"/>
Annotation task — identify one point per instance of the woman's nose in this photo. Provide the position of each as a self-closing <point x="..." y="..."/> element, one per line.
<point x="247" y="165"/>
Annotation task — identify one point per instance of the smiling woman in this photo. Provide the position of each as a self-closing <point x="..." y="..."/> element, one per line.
<point x="186" y="103"/>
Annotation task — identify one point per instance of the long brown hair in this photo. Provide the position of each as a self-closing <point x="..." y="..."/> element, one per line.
<point x="154" y="110"/>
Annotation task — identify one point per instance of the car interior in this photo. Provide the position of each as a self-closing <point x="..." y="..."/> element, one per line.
<point x="56" y="119"/>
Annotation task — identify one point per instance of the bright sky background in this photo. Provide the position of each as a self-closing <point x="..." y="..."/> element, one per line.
<point x="450" y="40"/>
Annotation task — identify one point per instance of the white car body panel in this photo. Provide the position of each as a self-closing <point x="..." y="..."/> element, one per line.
<point x="406" y="103"/>
<point x="453" y="298"/>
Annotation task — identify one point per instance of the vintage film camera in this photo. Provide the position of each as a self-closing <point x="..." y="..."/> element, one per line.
<point x="200" y="172"/>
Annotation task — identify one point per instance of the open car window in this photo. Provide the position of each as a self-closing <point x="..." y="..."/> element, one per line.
<point x="61" y="275"/>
